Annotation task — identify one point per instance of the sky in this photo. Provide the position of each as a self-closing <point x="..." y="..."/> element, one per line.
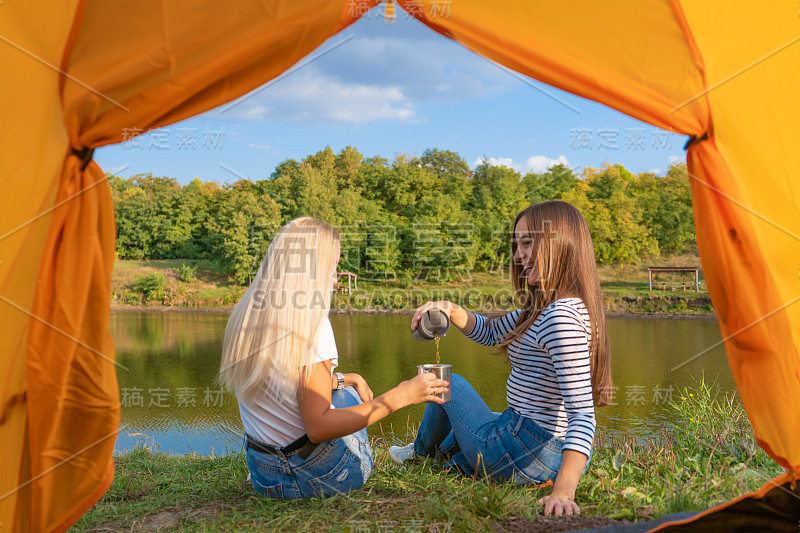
<point x="391" y="89"/>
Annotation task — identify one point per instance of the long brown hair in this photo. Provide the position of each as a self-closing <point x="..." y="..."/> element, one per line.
<point x="566" y="265"/>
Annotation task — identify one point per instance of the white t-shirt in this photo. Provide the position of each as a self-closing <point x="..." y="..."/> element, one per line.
<point x="279" y="423"/>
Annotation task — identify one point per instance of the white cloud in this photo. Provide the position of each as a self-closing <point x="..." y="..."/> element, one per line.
<point x="259" y="146"/>
<point x="374" y="77"/>
<point x="540" y="163"/>
<point x="423" y="68"/>
<point x="309" y="96"/>
<point x="675" y="159"/>
<point x="498" y="162"/>
<point x="537" y="163"/>
<point x="252" y="112"/>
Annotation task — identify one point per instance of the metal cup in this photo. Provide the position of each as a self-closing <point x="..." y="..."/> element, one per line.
<point x="442" y="371"/>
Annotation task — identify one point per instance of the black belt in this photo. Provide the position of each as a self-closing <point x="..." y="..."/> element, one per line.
<point x="303" y="444"/>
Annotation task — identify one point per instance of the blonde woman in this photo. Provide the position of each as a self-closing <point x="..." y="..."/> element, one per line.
<point x="558" y="349"/>
<point x="305" y="425"/>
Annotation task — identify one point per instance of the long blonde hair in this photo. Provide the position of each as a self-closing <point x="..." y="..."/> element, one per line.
<point x="562" y="246"/>
<point x="272" y="333"/>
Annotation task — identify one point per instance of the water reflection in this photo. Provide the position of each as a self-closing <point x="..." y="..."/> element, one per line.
<point x="170" y="397"/>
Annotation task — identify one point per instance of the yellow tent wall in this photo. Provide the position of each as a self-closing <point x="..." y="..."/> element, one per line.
<point x="746" y="196"/>
<point x="711" y="69"/>
<point x="34" y="142"/>
<point x="85" y="71"/>
<point x="111" y="66"/>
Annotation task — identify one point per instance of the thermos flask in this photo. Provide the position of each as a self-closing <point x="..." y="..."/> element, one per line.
<point x="434" y="323"/>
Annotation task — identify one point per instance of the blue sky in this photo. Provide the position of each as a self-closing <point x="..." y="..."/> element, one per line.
<point x="390" y="89"/>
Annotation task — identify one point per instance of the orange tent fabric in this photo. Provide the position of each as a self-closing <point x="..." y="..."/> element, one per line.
<point x="30" y="109"/>
<point x="60" y="399"/>
<point x="87" y="70"/>
<point x="746" y="199"/>
<point x="686" y="66"/>
<point x="773" y="507"/>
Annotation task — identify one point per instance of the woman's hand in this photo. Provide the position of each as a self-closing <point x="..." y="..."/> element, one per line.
<point x="422" y="388"/>
<point x="562" y="499"/>
<point x="459" y="317"/>
<point x="559" y="503"/>
<point x="360" y="384"/>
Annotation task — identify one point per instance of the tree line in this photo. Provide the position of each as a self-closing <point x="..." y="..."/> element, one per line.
<point x="428" y="216"/>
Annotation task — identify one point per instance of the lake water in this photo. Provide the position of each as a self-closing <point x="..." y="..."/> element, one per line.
<point x="170" y="399"/>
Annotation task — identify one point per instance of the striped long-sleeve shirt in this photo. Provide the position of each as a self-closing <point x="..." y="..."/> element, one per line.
<point x="550" y="381"/>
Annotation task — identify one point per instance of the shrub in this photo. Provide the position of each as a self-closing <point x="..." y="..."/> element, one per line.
<point x="152" y="286"/>
<point x="187" y="273"/>
<point x="232" y="296"/>
<point x="379" y="300"/>
<point x="360" y="301"/>
<point x="130" y="298"/>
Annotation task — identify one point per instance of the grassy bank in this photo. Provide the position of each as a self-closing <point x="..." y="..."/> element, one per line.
<point x="708" y="457"/>
<point x="137" y="284"/>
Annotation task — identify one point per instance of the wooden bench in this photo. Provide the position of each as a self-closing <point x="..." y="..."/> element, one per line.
<point x="674" y="286"/>
<point x="352" y="282"/>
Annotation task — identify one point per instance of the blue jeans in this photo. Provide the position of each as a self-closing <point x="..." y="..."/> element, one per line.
<point x="335" y="466"/>
<point x="502" y="446"/>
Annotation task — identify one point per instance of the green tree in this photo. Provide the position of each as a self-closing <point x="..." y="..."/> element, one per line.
<point x="316" y="193"/>
<point x="497" y="197"/>
<point x="346" y="166"/>
<point x="497" y="192"/>
<point x="382" y="251"/>
<point x="616" y="232"/>
<point x="200" y="197"/>
<point x="452" y="170"/>
<point x="443" y="163"/>
<point x="239" y="230"/>
<point x="283" y="187"/>
<point x="406" y="186"/>
<point x="134" y="237"/>
<point x="606" y="182"/>
<point x="397" y="218"/>
<point x="666" y="206"/>
<point x="552" y="184"/>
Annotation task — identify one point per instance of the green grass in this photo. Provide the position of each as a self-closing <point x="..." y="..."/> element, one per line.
<point x="708" y="457"/>
<point x="624" y="286"/>
<point x="211" y="288"/>
<point x="632" y="279"/>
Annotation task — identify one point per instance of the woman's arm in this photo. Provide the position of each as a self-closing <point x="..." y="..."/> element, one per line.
<point x="459" y="317"/>
<point x="475" y="327"/>
<point x="564" y="338"/>
<point x="562" y="499"/>
<point x="323" y="423"/>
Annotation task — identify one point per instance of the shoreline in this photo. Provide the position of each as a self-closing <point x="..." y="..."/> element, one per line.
<point x="346" y="311"/>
